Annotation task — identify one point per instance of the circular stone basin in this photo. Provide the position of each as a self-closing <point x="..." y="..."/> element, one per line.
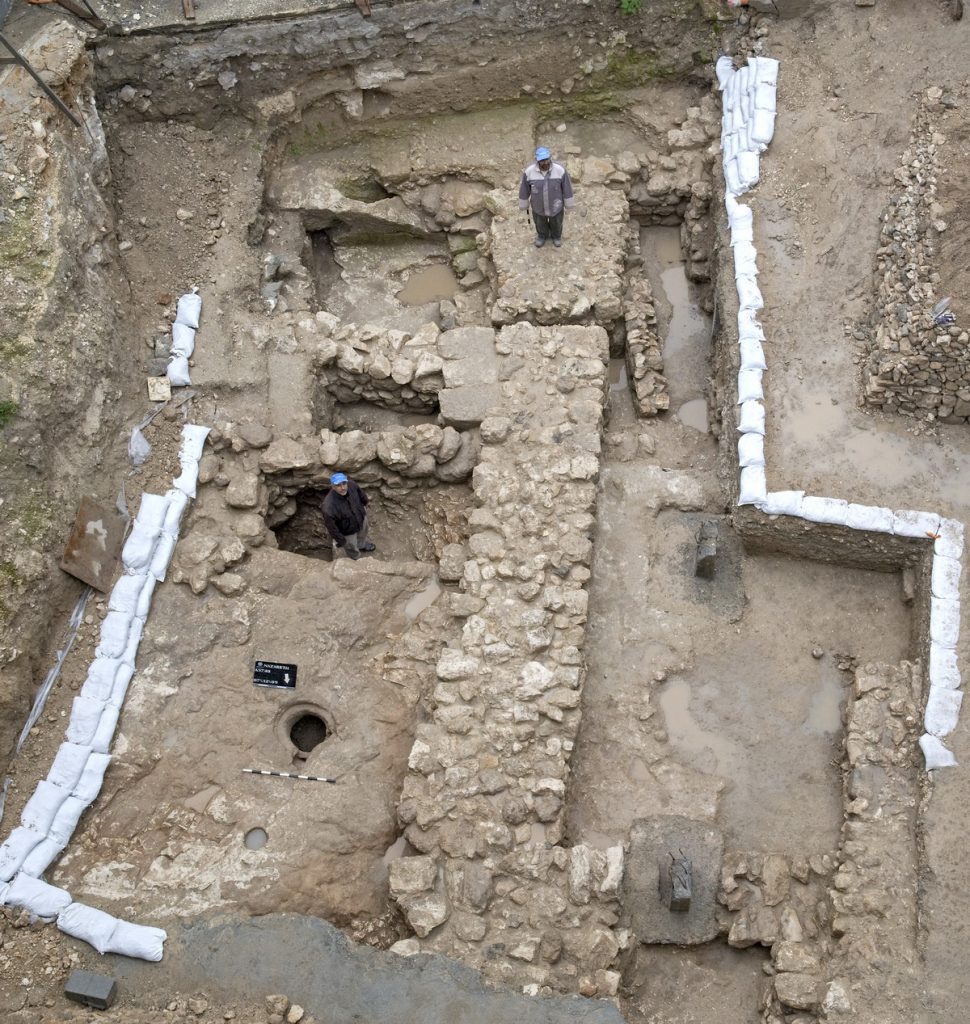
<point x="308" y="731"/>
<point x="255" y="839"/>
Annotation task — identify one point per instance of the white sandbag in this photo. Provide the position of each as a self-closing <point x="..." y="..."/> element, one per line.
<point x="909" y="523"/>
<point x="183" y="340"/>
<point x="37" y="897"/>
<point x="831" y="511"/>
<point x="193" y="440"/>
<point x="749" y="295"/>
<point x="752" y="355"/>
<point x="731" y="89"/>
<point x="100" y="678"/>
<point x="118" y="693"/>
<point x="764" y="97"/>
<point x="189" y="309"/>
<point x="40" y="809"/>
<point x="130" y="652"/>
<point x="869" y="517"/>
<point x="945" y="578"/>
<point x="177" y="503"/>
<point x="745" y="255"/>
<point x="949" y="539"/>
<point x="944" y="667"/>
<point x="741" y="220"/>
<point x="935" y="753"/>
<point x="754" y="487"/>
<point x="66" y="819"/>
<point x="85" y="715"/>
<point x="750" y="388"/>
<point x="115" y="627"/>
<point x="14" y="850"/>
<point x="732" y="178"/>
<point x="752" y="419"/>
<point x="745" y="79"/>
<point x="751" y="450"/>
<point x="749" y="329"/>
<point x="89" y="785"/>
<point x="163" y="556"/>
<point x="68" y="765"/>
<point x="105" y="732"/>
<point x="749" y="168"/>
<point x="138" y="940"/>
<point x="730" y="144"/>
<point x="944" y="622"/>
<point x="145" y="597"/>
<point x="783" y="503"/>
<point x="151" y="511"/>
<point x="765" y="70"/>
<point x="42" y="855"/>
<point x="942" y="711"/>
<point x="136" y="555"/>
<point x="187" y="480"/>
<point x="724" y="69"/>
<point x="95" y="927"/>
<point x="177" y="371"/>
<point x="124" y="594"/>
<point x="762" y="127"/>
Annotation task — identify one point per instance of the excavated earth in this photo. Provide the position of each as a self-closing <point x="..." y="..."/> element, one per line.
<point x="529" y="699"/>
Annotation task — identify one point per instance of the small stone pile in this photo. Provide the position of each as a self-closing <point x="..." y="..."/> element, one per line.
<point x="388" y="368"/>
<point x="483" y="801"/>
<point x="915" y="367"/>
<point x="644" y="353"/>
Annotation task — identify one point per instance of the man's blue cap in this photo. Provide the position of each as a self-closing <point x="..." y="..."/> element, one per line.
<point x="338" y="478"/>
<point x="542" y="153"/>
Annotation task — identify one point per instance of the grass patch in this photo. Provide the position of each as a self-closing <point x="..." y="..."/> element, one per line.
<point x="8" y="410"/>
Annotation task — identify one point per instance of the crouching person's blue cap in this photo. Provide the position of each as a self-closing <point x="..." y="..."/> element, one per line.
<point x="338" y="478"/>
<point x="542" y="153"/>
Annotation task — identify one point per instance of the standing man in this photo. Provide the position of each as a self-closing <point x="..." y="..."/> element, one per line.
<point x="345" y="515"/>
<point x="546" y="186"/>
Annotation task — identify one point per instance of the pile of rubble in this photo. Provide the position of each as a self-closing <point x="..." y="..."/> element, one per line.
<point x="644" y="350"/>
<point x="916" y="365"/>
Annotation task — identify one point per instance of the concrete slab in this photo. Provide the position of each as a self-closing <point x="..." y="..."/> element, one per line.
<point x="580" y="283"/>
<point x="94" y="546"/>
<point x="652" y="841"/>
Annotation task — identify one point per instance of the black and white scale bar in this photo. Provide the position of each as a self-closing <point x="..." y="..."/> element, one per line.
<point x="290" y="775"/>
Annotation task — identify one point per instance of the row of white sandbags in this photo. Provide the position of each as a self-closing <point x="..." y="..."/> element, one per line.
<point x="748" y="119"/>
<point x="746" y="93"/>
<point x="51" y="815"/>
<point x="187" y="315"/>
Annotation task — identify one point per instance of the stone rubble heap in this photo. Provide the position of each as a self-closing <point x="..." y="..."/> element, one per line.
<point x="915" y="367"/>
<point x="643" y="350"/>
<point x="388" y="368"/>
<point x="483" y="802"/>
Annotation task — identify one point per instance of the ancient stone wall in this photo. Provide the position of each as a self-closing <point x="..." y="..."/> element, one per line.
<point x="483" y="800"/>
<point x="914" y="366"/>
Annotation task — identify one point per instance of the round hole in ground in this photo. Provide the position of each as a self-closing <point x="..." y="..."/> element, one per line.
<point x="255" y="839"/>
<point x="308" y="732"/>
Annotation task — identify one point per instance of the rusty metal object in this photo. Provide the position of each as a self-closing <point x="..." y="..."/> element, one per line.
<point x="94" y="546"/>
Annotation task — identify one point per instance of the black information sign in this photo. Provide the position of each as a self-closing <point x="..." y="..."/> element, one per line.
<point x="273" y="673"/>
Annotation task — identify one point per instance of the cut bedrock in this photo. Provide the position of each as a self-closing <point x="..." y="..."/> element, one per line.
<point x="483" y="800"/>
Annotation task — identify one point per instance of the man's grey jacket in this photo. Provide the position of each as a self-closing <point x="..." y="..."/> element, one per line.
<point x="548" y="192"/>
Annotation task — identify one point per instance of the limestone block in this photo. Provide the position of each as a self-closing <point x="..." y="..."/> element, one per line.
<point x="289" y="453"/>
<point x="534" y="679"/>
<point x="467" y="406"/>
<point x="356" y="448"/>
<point x="462" y="464"/>
<point x="799" y="991"/>
<point x="329" y="447"/>
<point x="454" y="665"/>
<point x="402" y="370"/>
<point x="450" y="444"/>
<point x="776" y="879"/>
<point x="425" y="913"/>
<point x="795" y="957"/>
<point x="411" y="875"/>
<point x="243" y="490"/>
<point x="452" y="563"/>
<point x="495" y="429"/>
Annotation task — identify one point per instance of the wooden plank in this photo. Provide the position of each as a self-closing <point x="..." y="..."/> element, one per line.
<point x="188" y="9"/>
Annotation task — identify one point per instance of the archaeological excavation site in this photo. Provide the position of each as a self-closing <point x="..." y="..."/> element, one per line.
<point x="483" y="489"/>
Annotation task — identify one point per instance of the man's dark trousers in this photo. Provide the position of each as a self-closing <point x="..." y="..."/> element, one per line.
<point x="548" y="227"/>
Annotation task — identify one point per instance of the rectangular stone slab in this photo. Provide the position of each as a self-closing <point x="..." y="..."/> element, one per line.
<point x="94" y="546"/>
<point x="652" y="840"/>
<point x="97" y="990"/>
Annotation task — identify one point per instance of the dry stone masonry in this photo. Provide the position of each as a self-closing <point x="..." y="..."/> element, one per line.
<point x="483" y="800"/>
<point x="916" y="367"/>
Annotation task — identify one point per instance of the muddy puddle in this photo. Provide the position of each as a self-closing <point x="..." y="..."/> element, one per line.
<point x="423" y="599"/>
<point x="430" y="284"/>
